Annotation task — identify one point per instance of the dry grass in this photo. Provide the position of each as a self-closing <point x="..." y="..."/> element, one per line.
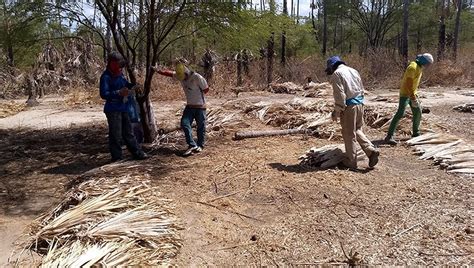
<point x="11" y="108"/>
<point x="79" y="96"/>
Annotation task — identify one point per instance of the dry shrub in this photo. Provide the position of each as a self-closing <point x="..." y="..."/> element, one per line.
<point x="450" y="73"/>
<point x="165" y="89"/>
<point x="80" y="96"/>
<point x="11" y="108"/>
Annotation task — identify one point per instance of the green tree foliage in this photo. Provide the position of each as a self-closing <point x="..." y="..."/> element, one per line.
<point x="23" y="23"/>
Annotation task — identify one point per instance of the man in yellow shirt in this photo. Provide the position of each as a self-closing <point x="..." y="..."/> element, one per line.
<point x="408" y="95"/>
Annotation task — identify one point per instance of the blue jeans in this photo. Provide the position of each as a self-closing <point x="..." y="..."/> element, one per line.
<point x="120" y="129"/>
<point x="189" y="115"/>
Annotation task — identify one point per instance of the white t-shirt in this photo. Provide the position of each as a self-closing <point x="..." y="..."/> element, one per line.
<point x="193" y="89"/>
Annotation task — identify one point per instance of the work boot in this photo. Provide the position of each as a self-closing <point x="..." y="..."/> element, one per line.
<point x="347" y="164"/>
<point x="191" y="150"/>
<point x="140" y="156"/>
<point x="374" y="158"/>
<point x="390" y="140"/>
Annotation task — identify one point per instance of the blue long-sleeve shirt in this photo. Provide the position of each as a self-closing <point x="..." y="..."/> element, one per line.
<point x="109" y="91"/>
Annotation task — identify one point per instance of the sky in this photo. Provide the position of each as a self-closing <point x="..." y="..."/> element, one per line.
<point x="304" y="5"/>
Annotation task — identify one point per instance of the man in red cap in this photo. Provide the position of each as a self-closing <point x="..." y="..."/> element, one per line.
<point x="114" y="89"/>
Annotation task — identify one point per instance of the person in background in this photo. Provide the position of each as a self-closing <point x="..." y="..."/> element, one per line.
<point x="194" y="87"/>
<point x="115" y="89"/>
<point x="349" y="107"/>
<point x="408" y="95"/>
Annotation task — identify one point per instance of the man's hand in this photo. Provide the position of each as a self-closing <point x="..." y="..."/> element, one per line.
<point x="123" y="92"/>
<point x="415" y="103"/>
<point x="335" y="115"/>
<point x="205" y="90"/>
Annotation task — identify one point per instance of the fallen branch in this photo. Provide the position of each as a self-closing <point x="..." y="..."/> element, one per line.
<point x="267" y="133"/>
<point x="407" y="230"/>
<point x="231" y="211"/>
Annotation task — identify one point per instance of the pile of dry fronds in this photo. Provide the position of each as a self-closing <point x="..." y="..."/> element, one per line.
<point x="326" y="157"/>
<point x="449" y="152"/>
<point x="287" y="88"/>
<point x="83" y="96"/>
<point x="465" y="108"/>
<point x="110" y="221"/>
<point x="11" y="108"/>
<point x="310" y="89"/>
<point x="297" y="113"/>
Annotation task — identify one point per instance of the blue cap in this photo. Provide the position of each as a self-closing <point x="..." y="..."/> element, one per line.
<point x="333" y="60"/>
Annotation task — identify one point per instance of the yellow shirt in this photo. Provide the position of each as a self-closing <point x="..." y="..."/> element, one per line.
<point x="414" y="72"/>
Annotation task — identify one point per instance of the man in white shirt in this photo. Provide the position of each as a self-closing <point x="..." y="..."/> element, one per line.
<point x="194" y="86"/>
<point x="349" y="107"/>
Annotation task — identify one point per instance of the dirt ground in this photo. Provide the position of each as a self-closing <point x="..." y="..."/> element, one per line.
<point x="248" y="202"/>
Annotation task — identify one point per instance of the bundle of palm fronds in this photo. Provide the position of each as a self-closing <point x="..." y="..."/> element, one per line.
<point x="297" y="113"/>
<point x="465" y="108"/>
<point x="448" y="151"/>
<point x="110" y="221"/>
<point x="376" y="117"/>
<point x="217" y="119"/>
<point x="326" y="157"/>
<point x="287" y="87"/>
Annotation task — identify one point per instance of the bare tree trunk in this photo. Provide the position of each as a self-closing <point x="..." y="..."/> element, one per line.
<point x="8" y="41"/>
<point x="270" y="54"/>
<point x="126" y="26"/>
<point x="418" y="38"/>
<point x="325" y="27"/>
<point x="456" y="29"/>
<point x="141" y="22"/>
<point x="442" y="32"/>
<point x="108" y="41"/>
<point x="239" y="68"/>
<point x="283" y="36"/>
<point x="10" y="55"/>
<point x="335" y="33"/>
<point x="404" y="46"/>
<point x="297" y="11"/>
<point x="313" y="22"/>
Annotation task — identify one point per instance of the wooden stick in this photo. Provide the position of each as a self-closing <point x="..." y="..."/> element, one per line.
<point x="226" y="195"/>
<point x="407" y="230"/>
<point x="267" y="133"/>
<point x="235" y="246"/>
<point x="231" y="211"/>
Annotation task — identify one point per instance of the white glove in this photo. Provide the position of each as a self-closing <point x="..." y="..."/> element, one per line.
<point x="415" y="103"/>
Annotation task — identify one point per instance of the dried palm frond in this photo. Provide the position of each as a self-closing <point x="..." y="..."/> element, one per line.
<point x="448" y="151"/>
<point x="108" y="221"/>
<point x="327" y="156"/>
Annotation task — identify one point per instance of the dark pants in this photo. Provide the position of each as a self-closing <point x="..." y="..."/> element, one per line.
<point x="189" y="115"/>
<point x="120" y="129"/>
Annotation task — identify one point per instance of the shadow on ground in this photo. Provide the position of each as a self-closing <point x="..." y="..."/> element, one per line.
<point x="31" y="160"/>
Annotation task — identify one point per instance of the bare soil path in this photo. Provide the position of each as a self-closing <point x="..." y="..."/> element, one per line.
<point x="249" y="202"/>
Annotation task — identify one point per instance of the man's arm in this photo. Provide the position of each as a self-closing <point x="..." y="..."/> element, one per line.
<point x="339" y="93"/>
<point x="203" y="84"/>
<point x="105" y="91"/>
<point x="164" y="72"/>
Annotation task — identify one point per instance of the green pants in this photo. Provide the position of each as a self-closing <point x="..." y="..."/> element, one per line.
<point x="400" y="113"/>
